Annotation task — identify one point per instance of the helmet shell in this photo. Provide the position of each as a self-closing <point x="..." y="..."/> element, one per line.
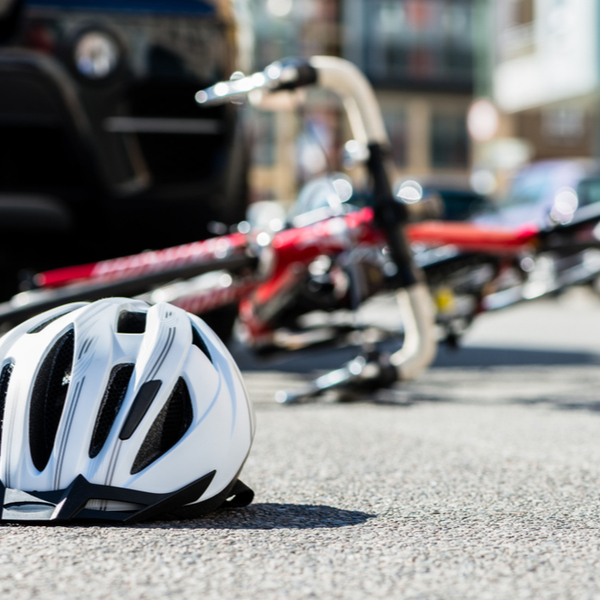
<point x="125" y="395"/>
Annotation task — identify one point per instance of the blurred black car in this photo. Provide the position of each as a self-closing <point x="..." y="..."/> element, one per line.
<point x="104" y="150"/>
<point x="447" y="198"/>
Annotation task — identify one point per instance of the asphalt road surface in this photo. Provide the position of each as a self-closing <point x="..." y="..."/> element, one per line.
<point x="481" y="480"/>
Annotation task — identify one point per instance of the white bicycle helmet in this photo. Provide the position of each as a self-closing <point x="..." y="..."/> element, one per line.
<point x="118" y="410"/>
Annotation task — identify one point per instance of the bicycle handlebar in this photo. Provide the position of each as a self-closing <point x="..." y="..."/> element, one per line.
<point x="336" y="74"/>
<point x="287" y="74"/>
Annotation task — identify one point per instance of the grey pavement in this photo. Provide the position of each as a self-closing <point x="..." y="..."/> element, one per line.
<point x="481" y="480"/>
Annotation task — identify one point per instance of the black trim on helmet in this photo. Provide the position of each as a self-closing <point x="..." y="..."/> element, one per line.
<point x="236" y="495"/>
<point x="69" y="504"/>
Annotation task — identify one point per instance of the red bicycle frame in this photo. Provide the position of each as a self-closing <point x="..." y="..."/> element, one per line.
<point x="284" y="259"/>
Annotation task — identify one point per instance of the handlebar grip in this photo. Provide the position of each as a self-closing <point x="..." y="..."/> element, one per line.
<point x="287" y="74"/>
<point x="295" y="73"/>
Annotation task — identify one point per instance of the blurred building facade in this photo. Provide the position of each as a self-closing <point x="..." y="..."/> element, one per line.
<point x="419" y="55"/>
<point x="546" y="74"/>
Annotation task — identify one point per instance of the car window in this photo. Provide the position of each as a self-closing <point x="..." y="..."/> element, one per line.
<point x="588" y="191"/>
<point x="529" y="187"/>
<point x="460" y="205"/>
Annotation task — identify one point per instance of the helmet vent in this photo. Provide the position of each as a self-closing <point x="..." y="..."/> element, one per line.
<point x="131" y="322"/>
<point x="199" y="342"/>
<point x="47" y="322"/>
<point x="4" y="381"/>
<point x="113" y="398"/>
<point x="48" y="399"/>
<point x="169" y="427"/>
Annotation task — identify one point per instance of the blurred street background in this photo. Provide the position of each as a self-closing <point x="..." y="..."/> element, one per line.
<point x="471" y="90"/>
<point x="485" y="101"/>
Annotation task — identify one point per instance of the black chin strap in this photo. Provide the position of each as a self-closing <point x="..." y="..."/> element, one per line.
<point x="241" y="495"/>
<point x="70" y="503"/>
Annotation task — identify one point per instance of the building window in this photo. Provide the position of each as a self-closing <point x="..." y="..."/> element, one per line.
<point x="449" y="141"/>
<point x="396" y="125"/>
<point x="563" y="123"/>
<point x="417" y="41"/>
<point x="522" y="12"/>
